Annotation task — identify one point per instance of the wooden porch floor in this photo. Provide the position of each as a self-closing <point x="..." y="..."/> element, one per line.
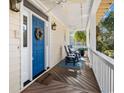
<point x="61" y="80"/>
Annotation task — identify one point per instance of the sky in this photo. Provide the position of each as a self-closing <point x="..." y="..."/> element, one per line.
<point x="111" y="9"/>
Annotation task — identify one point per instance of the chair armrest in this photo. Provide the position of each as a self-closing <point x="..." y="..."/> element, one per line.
<point x="72" y="55"/>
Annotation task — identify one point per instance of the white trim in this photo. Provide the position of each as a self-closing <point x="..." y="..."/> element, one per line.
<point x="21" y="28"/>
<point x="30" y="44"/>
<point x="27" y="13"/>
<point x="47" y="45"/>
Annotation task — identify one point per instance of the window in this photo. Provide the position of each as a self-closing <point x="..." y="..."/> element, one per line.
<point x="105" y="32"/>
<point x="24" y="31"/>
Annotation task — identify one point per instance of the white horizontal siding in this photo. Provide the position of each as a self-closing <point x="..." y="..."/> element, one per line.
<point x="14" y="52"/>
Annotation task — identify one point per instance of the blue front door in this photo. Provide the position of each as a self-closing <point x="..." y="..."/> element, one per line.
<point x="37" y="46"/>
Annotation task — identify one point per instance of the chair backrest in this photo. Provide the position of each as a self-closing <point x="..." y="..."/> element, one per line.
<point x="69" y="49"/>
<point x="66" y="50"/>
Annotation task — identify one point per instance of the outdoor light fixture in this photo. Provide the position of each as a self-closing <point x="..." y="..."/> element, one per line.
<point x="15" y="5"/>
<point x="54" y="26"/>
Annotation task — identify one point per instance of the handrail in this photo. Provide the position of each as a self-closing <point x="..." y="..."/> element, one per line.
<point x="107" y="59"/>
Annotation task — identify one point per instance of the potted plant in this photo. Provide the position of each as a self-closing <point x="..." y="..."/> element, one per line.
<point x="80" y="36"/>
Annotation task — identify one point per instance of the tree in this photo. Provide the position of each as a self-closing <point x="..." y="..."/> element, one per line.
<point x="105" y="35"/>
<point x="108" y="22"/>
<point x="80" y="36"/>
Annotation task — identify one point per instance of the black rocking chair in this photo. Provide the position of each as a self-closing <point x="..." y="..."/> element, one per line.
<point x="77" y="53"/>
<point x="70" y="58"/>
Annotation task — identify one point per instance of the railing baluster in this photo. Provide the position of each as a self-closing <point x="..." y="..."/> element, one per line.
<point x="104" y="72"/>
<point x="104" y="87"/>
<point x="112" y="81"/>
<point x="109" y="80"/>
<point x="102" y="78"/>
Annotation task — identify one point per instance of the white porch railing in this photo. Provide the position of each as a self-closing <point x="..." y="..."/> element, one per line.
<point x="103" y="68"/>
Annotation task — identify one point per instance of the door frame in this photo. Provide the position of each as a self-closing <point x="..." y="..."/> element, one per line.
<point x="45" y="39"/>
<point x="46" y="45"/>
<point x="25" y="12"/>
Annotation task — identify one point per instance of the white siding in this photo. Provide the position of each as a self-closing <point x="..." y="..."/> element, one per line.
<point x="14" y="52"/>
<point x="57" y="42"/>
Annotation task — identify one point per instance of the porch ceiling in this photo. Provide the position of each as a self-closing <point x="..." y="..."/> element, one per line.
<point x="73" y="13"/>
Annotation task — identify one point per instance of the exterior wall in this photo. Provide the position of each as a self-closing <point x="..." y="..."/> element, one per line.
<point x="14" y="52"/>
<point x="58" y="39"/>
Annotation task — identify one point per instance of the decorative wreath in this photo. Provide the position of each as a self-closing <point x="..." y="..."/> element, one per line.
<point x="38" y="34"/>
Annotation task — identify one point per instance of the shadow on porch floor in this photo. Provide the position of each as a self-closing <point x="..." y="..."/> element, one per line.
<point x="65" y="80"/>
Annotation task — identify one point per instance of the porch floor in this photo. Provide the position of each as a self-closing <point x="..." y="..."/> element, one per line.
<point x="64" y="80"/>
